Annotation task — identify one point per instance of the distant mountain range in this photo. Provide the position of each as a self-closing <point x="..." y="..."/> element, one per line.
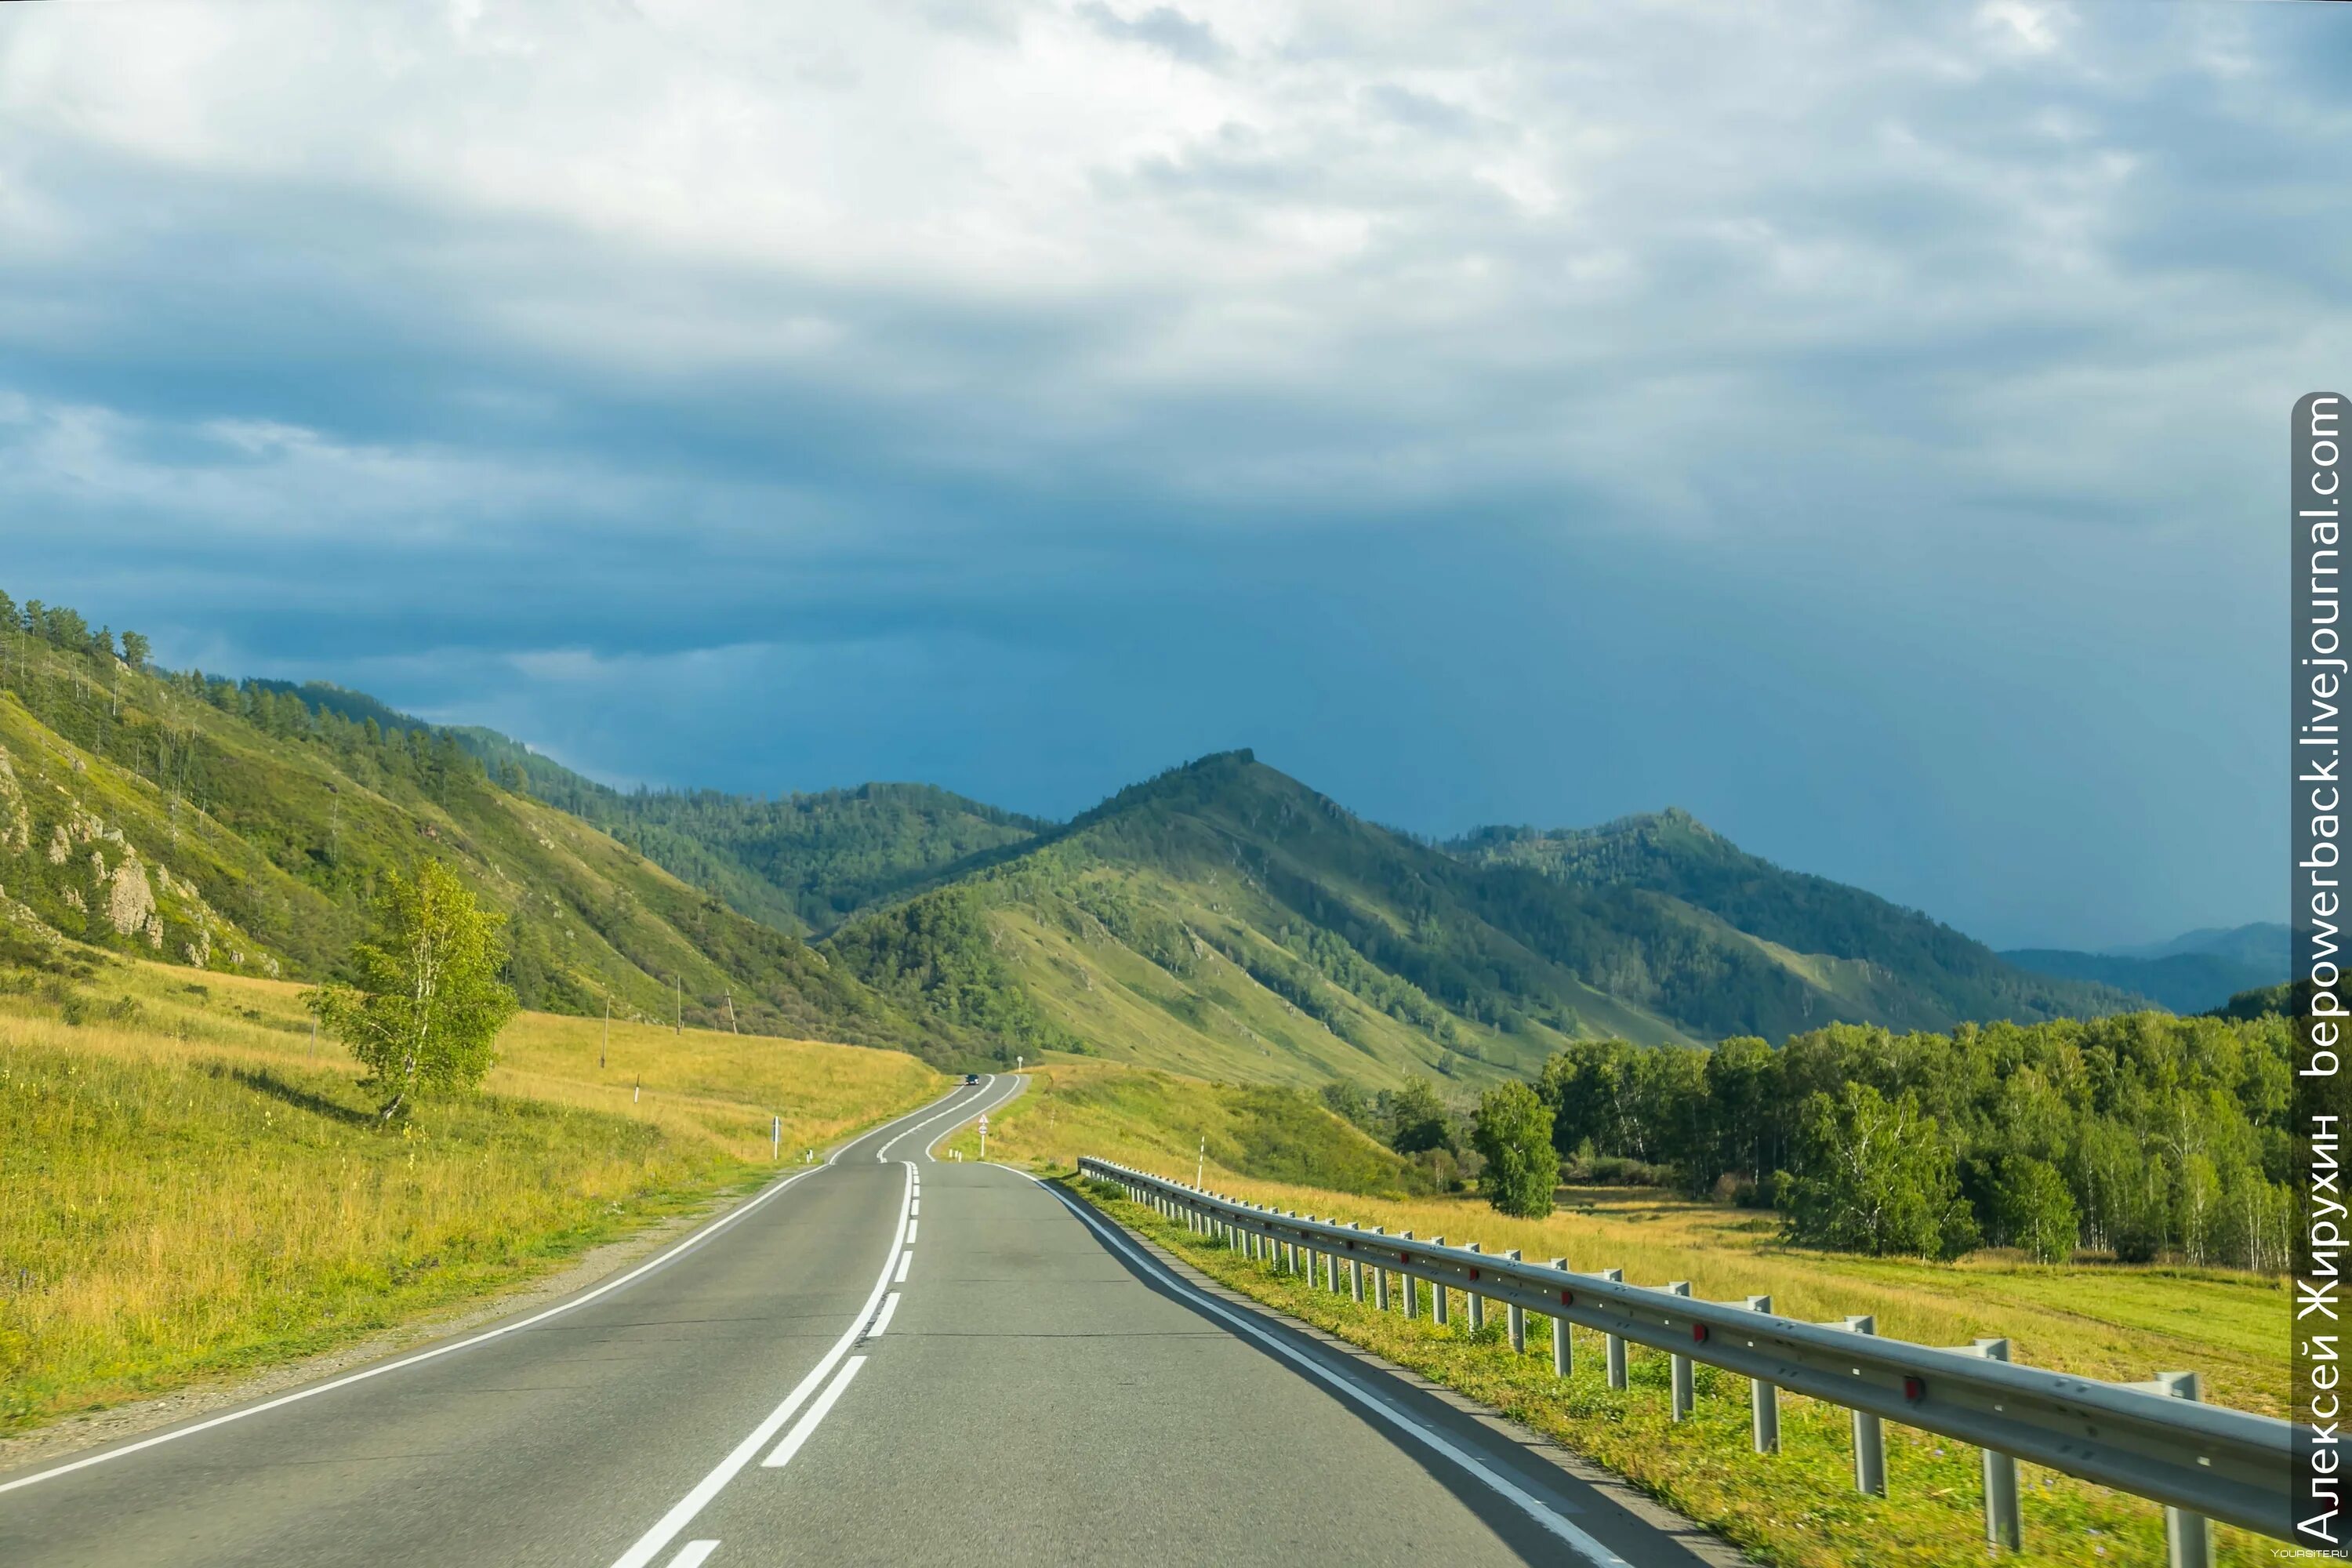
<point x="1222" y="919"/>
<point x="2193" y="973"/>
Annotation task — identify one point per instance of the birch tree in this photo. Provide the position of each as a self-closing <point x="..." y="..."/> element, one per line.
<point x="426" y="1007"/>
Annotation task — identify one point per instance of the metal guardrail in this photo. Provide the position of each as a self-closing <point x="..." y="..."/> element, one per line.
<point x="2153" y="1440"/>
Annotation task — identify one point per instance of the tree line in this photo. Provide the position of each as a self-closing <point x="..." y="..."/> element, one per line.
<point x="2140" y="1135"/>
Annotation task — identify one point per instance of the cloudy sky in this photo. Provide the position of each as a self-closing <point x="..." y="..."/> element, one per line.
<point x="1862" y="425"/>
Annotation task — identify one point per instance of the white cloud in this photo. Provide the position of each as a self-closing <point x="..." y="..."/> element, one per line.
<point x="1371" y="255"/>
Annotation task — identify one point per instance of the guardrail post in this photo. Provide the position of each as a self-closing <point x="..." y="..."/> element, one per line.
<point x="1763" y="1399"/>
<point x="1406" y="1283"/>
<point x="1616" y="1343"/>
<point x="1356" y="1274"/>
<point x="1514" y="1316"/>
<point x="1477" y="1301"/>
<point x="1679" y="1368"/>
<point x="1562" y="1353"/>
<point x="1290" y="1250"/>
<point x="1869" y="1431"/>
<point x="1380" y="1279"/>
<point x="1440" y="1307"/>
<point x="2003" y="1529"/>
<point x="2188" y="1537"/>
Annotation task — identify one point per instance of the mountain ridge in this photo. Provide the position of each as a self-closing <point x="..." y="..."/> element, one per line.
<point x="1221" y="917"/>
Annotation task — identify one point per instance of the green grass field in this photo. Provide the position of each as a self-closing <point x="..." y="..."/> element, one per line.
<point x="191" y="1185"/>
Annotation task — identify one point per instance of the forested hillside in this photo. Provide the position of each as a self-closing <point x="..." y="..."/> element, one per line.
<point x="1858" y="958"/>
<point x="1221" y="919"/>
<point x="243" y="827"/>
<point x="1224" y="919"/>
<point x="801" y="862"/>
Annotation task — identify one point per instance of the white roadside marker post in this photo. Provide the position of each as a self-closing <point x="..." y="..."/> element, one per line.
<point x="1514" y="1316"/>
<point x="1563" y="1352"/>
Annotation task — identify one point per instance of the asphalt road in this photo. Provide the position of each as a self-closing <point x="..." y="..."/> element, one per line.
<point x="884" y="1358"/>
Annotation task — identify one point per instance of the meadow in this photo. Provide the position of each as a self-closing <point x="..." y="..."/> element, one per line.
<point x="1799" y="1507"/>
<point x="193" y="1183"/>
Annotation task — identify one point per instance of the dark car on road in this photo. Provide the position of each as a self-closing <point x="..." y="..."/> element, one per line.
<point x="971" y="1077"/>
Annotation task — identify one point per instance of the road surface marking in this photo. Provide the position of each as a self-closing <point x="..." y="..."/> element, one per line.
<point x="691" y="1554"/>
<point x="682" y="1512"/>
<point x="883" y="1153"/>
<point x="1592" y="1551"/>
<point x="905" y="1258"/>
<point x="642" y="1269"/>
<point x="889" y="1307"/>
<point x="911" y="1230"/>
<point x="913" y="1205"/>
<point x="816" y="1413"/>
<point x="1007" y="1097"/>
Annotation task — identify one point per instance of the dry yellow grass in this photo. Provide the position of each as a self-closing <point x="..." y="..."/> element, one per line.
<point x="189" y="1183"/>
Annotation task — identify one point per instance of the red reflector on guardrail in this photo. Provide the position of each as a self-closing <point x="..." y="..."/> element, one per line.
<point x="1699" y="1333"/>
<point x="1914" y="1389"/>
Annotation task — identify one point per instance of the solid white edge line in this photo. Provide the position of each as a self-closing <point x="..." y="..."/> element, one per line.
<point x="682" y="1512"/>
<point x="1534" y="1507"/>
<point x="816" y="1413"/>
<point x="905" y="1258"/>
<point x="683" y="1248"/>
<point x="691" y="1554"/>
<point x="890" y="1308"/>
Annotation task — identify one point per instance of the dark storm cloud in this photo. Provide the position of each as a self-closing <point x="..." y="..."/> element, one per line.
<point x="1852" y="424"/>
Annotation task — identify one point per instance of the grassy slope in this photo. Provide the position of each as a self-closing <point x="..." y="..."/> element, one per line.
<point x="270" y="845"/>
<point x="1225" y="922"/>
<point x="196" y="1188"/>
<point x="1161" y="1119"/>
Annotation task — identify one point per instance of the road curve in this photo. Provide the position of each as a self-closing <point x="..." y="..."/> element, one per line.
<point x="881" y="1358"/>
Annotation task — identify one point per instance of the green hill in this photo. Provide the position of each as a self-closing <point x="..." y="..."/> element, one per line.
<point x="243" y="827"/>
<point x="1226" y="920"/>
<point x="801" y="862"/>
<point x="1222" y="919"/>
<point x="1852" y="957"/>
<point x="2182" y="982"/>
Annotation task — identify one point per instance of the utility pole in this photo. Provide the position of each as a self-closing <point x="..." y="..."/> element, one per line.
<point x="604" y="1046"/>
<point x="731" y="1014"/>
<point x="1200" y="1166"/>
